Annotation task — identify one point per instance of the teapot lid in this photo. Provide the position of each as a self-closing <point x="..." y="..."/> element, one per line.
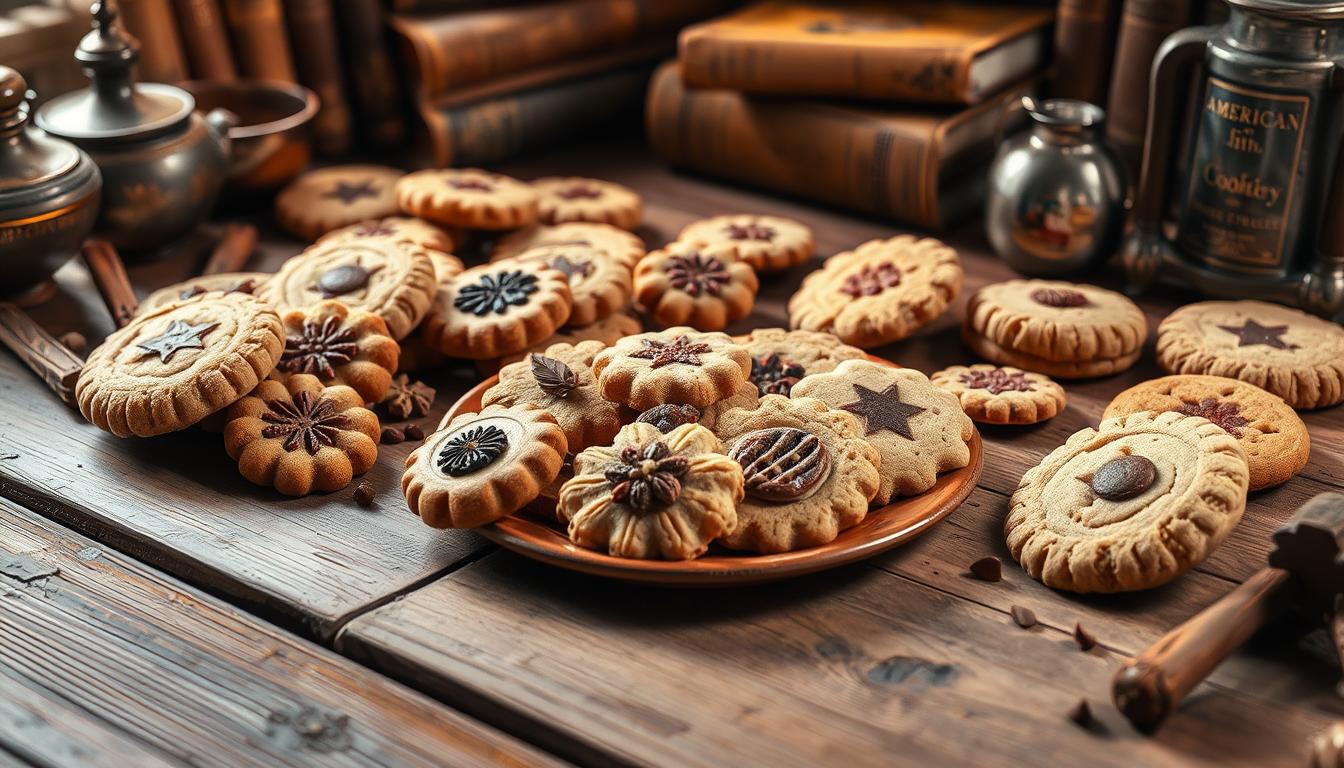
<point x="1298" y="10"/>
<point x="114" y="106"/>
<point x="27" y="158"/>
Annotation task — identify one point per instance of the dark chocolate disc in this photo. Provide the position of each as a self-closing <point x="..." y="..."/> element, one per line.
<point x="472" y="449"/>
<point x="342" y="280"/>
<point x="1124" y="478"/>
<point x="781" y="463"/>
<point x="669" y="416"/>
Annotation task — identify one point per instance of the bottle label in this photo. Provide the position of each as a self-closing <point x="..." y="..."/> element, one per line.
<point x="1243" y="175"/>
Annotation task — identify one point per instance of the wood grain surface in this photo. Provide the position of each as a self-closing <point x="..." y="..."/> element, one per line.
<point x="106" y="662"/>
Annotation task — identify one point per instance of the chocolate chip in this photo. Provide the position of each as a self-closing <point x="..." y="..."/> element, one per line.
<point x="364" y="494"/>
<point x="342" y="280"/>
<point x="1085" y="640"/>
<point x="74" y="341"/>
<point x="1080" y="713"/>
<point x="391" y="436"/>
<point x="988" y="569"/>
<point x="1124" y="478"/>
<point x="1024" y="617"/>
<point x="413" y="432"/>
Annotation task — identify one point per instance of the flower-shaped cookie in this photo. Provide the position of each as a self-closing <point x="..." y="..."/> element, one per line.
<point x="767" y="243"/>
<point x="992" y="394"/>
<point x="780" y="358"/>
<point x="703" y="287"/>
<point x="600" y="283"/>
<point x="809" y="473"/>
<point x="618" y="243"/>
<point x="482" y="466"/>
<point x="572" y="198"/>
<point x="652" y="495"/>
<point x="679" y="365"/>
<point x="561" y="382"/>
<point x="299" y="436"/>
<point x="339" y="346"/>
<point x="468" y="197"/>
<point x="497" y="309"/>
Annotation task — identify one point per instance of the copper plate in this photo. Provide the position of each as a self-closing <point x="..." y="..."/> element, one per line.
<point x="538" y="537"/>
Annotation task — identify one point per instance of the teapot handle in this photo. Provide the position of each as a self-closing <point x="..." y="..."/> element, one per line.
<point x="1178" y="51"/>
<point x="220" y="121"/>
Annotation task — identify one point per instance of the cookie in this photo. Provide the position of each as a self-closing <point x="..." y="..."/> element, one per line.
<point x="679" y="365"/>
<point x="571" y="198"/>
<point x="703" y="287"/>
<point x="228" y="282"/>
<point x="1056" y="321"/>
<point x="808" y="473"/>
<point x="607" y="330"/>
<point x="1130" y="505"/>
<point x="991" y="394"/>
<point x="767" y="243"/>
<point x="497" y="309"/>
<point x="320" y="201"/>
<point x="174" y="365"/>
<point x="469" y="198"/>
<point x="1271" y="433"/>
<point x="1065" y="369"/>
<point x="401" y="229"/>
<point x="618" y="243"/>
<point x="340" y="346"/>
<point x="651" y="495"/>
<point x="780" y="358"/>
<point x="299" y="436"/>
<point x="600" y="284"/>
<point x="392" y="280"/>
<point x="747" y="397"/>
<point x="482" y="466"/>
<point x="1285" y="351"/>
<point x="918" y="429"/>
<point x="880" y="292"/>
<point x="561" y="382"/>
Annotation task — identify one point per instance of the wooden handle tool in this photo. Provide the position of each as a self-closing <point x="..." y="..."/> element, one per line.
<point x="109" y="275"/>
<point x="234" y="249"/>
<point x="47" y="357"/>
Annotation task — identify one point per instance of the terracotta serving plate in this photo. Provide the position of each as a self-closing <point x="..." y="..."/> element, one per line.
<point x="534" y="533"/>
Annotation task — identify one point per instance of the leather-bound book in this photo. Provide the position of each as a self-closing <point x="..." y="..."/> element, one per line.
<point x="948" y="52"/>
<point x="1085" y="33"/>
<point x="376" y="94"/>
<point x="260" y="46"/>
<point x="205" y="39"/>
<point x="1144" y="24"/>
<point x="151" y="22"/>
<point x="317" y="57"/>
<point x="448" y="51"/>
<point x="920" y="166"/>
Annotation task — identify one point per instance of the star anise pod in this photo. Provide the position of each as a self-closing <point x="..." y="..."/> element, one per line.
<point x="773" y="375"/>
<point x="318" y="348"/>
<point x="307" y="421"/>
<point x="750" y="231"/>
<point x="697" y="274"/>
<point x="647" y="478"/>
<point x="681" y="350"/>
<point x="407" y="399"/>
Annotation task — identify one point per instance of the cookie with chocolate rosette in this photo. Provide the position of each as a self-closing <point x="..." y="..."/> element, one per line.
<point x="705" y="287"/>
<point x="497" y="309"/>
<point x="340" y="346"/>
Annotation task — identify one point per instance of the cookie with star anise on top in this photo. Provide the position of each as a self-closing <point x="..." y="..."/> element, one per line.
<point x="780" y="358"/>
<point x="767" y="243"/>
<point x="340" y="346"/>
<point x="679" y="365"/>
<point x="993" y="394"/>
<point x="497" y="309"/>
<point x="337" y="196"/>
<point x="705" y="287"/>
<point x="299" y="436"/>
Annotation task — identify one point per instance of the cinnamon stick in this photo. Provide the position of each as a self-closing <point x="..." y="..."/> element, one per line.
<point x="234" y="249"/>
<point x="109" y="275"/>
<point x="47" y="357"/>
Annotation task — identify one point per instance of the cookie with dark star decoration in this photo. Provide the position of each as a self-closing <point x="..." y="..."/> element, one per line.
<point x="1297" y="356"/>
<point x="679" y="365"/>
<point x="992" y="394"/>
<point x="919" y="429"/>
<point x="468" y="198"/>
<point x="767" y="243"/>
<point x="705" y="287"/>
<point x="480" y="467"/>
<point x="571" y="198"/>
<point x="600" y="284"/>
<point x="327" y="199"/>
<point x="175" y="365"/>
<point x="1274" y="437"/>
<point x="340" y="346"/>
<point x="497" y="309"/>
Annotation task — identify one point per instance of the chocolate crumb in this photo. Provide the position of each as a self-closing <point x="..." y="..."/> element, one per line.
<point x="1085" y="640"/>
<point x="413" y="432"/>
<point x="74" y="341"/>
<point x="392" y="436"/>
<point x="364" y="494"/>
<point x="1024" y="617"/>
<point x="1080" y="713"/>
<point x="988" y="569"/>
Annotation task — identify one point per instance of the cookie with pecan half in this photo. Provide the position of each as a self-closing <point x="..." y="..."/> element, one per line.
<point x="679" y="365"/>
<point x="809" y="474"/>
<point x="705" y="287"/>
<point x="497" y="309"/>
<point x="767" y="243"/>
<point x="651" y="495"/>
<point x="340" y="346"/>
<point x="299" y="436"/>
<point x="561" y="382"/>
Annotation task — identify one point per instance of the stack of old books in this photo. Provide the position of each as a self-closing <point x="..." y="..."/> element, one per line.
<point x="886" y="108"/>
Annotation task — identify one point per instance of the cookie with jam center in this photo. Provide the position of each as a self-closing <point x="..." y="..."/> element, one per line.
<point x="767" y="243"/>
<point x="705" y="287"/>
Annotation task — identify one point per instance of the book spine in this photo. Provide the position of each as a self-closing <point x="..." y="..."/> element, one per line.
<point x="375" y="86"/>
<point x="493" y="130"/>
<point x="259" y="44"/>
<point x="1144" y="24"/>
<point x="1084" y="49"/>
<point x="151" y="22"/>
<point x="830" y="155"/>
<point x="317" y="57"/>
<point x="205" y="39"/>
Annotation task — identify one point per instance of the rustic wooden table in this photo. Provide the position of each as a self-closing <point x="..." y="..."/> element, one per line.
<point x="903" y="659"/>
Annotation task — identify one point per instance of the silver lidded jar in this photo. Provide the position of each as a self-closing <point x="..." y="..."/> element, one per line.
<point x="1056" y="201"/>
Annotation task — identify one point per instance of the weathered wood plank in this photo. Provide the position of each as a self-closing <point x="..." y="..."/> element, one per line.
<point x="105" y="661"/>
